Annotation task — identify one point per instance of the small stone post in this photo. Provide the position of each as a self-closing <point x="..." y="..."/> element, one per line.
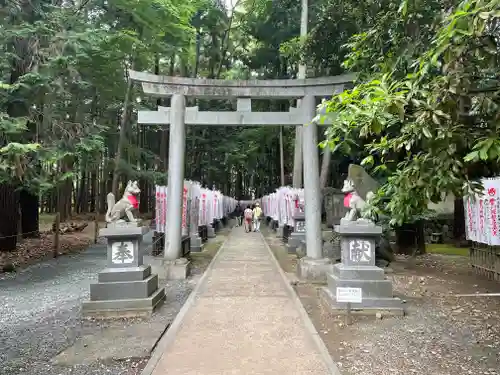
<point x="298" y="235"/>
<point x="195" y="239"/>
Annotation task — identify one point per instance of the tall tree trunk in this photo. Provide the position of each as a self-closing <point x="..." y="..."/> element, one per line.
<point x="325" y="167"/>
<point x="123" y="134"/>
<point x="65" y="190"/>
<point x="164" y="134"/>
<point x="297" y="158"/>
<point x="410" y="238"/>
<point x="24" y="49"/>
<point x="10" y="217"/>
<point x="29" y="204"/>
<point x="94" y="189"/>
<point x="459" y="220"/>
<point x="282" y="158"/>
<point x="197" y="56"/>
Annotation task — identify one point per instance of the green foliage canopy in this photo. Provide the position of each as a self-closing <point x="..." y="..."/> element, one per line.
<point x="423" y="117"/>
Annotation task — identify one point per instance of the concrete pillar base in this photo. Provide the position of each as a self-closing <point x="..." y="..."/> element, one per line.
<point x="178" y="269"/>
<point x="314" y="270"/>
<point x="168" y="269"/>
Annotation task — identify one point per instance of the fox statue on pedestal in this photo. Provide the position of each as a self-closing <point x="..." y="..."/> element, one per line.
<point x="125" y="206"/>
<point x="355" y="203"/>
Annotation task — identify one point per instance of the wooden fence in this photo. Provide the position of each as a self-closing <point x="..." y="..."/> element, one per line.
<point x="485" y="260"/>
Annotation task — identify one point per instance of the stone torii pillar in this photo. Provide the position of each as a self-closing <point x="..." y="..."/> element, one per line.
<point x="314" y="266"/>
<point x="177" y="147"/>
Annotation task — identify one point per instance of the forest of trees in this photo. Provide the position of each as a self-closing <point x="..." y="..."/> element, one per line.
<point x="424" y="113"/>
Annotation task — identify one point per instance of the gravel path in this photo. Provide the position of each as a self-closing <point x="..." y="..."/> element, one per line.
<point x="40" y="315"/>
<point x="442" y="334"/>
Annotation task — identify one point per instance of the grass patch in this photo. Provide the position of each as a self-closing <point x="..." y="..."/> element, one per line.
<point x="210" y="248"/>
<point x="201" y="260"/>
<point x="46" y="218"/>
<point x="446" y="249"/>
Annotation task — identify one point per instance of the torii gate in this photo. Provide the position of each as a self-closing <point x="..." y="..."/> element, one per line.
<point x="178" y="116"/>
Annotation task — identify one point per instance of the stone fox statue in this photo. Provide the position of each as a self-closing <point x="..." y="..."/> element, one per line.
<point x="125" y="206"/>
<point x="354" y="202"/>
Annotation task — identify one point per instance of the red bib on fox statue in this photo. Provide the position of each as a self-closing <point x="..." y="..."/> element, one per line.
<point x="347" y="200"/>
<point x="133" y="201"/>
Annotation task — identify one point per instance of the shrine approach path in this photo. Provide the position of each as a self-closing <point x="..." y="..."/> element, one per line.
<point x="243" y="318"/>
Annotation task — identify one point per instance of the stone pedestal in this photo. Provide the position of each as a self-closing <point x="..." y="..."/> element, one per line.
<point x="126" y="287"/>
<point x="210" y="232"/>
<point x="298" y="235"/>
<point x="196" y="245"/>
<point x="358" y="270"/>
<point x="314" y="270"/>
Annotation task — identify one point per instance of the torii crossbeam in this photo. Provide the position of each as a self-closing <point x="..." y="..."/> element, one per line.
<point x="178" y="116"/>
<point x="243" y="116"/>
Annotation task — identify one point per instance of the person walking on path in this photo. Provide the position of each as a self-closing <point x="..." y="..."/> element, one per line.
<point x="248" y="219"/>
<point x="257" y="215"/>
<point x="242" y="216"/>
<point x="238" y="213"/>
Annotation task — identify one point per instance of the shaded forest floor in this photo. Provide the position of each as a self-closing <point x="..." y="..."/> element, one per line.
<point x="33" y="250"/>
<point x="442" y="334"/>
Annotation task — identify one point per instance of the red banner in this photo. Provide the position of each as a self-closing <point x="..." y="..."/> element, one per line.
<point x="184" y="207"/>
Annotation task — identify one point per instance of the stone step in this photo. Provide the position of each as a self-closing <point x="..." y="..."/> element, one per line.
<point x="370" y="288"/>
<point x="124" y="289"/>
<point x="358" y="272"/>
<point x="369" y="305"/>
<point x="124" y="307"/>
<point x="109" y="275"/>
